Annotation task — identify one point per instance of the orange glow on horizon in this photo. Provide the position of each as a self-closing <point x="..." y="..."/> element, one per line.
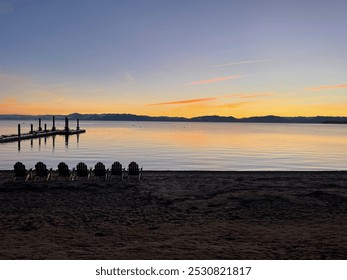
<point x="184" y="108"/>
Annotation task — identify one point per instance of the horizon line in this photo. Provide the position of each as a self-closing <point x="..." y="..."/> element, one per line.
<point x="160" y="116"/>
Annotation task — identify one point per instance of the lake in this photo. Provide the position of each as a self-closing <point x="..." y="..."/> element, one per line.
<point x="185" y="146"/>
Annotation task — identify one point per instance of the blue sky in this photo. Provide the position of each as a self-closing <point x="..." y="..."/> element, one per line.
<point x="186" y="58"/>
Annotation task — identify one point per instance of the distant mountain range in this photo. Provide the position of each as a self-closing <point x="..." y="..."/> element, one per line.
<point x="131" y="117"/>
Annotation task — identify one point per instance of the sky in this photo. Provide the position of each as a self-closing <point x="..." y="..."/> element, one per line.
<point x="185" y="58"/>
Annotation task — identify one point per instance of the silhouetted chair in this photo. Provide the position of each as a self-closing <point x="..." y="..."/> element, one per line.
<point x="100" y="170"/>
<point x="20" y="171"/>
<point x="64" y="171"/>
<point x="117" y="170"/>
<point x="42" y="171"/>
<point x="81" y="171"/>
<point x="134" y="170"/>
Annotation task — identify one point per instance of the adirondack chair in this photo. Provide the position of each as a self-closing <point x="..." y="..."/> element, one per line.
<point x="134" y="170"/>
<point x="100" y="170"/>
<point x="42" y="171"/>
<point x="64" y="171"/>
<point x="117" y="170"/>
<point x="20" y="171"/>
<point x="81" y="171"/>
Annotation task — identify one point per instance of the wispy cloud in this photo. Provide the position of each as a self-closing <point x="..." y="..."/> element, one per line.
<point x="327" y="87"/>
<point x="213" y="80"/>
<point x="249" y="95"/>
<point x="232" y="105"/>
<point x="237" y="95"/>
<point x="242" y="62"/>
<point x="183" y="101"/>
<point x="8" y="100"/>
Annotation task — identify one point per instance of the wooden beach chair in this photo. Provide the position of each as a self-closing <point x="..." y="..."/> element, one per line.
<point x="100" y="171"/>
<point x="20" y="171"/>
<point x="42" y="171"/>
<point x="117" y="170"/>
<point x="81" y="171"/>
<point x="64" y="171"/>
<point x="134" y="170"/>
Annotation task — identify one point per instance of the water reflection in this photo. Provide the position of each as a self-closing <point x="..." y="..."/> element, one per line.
<point x="243" y="137"/>
<point x="66" y="140"/>
<point x="191" y="146"/>
<point x="45" y="139"/>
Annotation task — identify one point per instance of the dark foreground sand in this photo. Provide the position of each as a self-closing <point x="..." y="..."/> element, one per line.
<point x="177" y="215"/>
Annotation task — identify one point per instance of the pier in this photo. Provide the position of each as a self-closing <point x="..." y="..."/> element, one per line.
<point x="42" y="132"/>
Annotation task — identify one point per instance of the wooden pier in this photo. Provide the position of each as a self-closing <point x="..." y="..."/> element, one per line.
<point x="40" y="133"/>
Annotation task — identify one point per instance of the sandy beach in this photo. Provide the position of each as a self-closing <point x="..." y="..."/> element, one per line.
<point x="177" y="215"/>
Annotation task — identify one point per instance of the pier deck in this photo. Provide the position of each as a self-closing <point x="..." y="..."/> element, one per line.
<point x="39" y="134"/>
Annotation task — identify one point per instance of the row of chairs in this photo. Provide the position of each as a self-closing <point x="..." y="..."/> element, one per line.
<point x="81" y="171"/>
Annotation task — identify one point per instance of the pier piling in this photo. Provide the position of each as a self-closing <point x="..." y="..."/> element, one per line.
<point x="66" y="124"/>
<point x="40" y="127"/>
<point x="53" y="127"/>
<point x="78" y="124"/>
<point x="31" y="129"/>
<point x="19" y="135"/>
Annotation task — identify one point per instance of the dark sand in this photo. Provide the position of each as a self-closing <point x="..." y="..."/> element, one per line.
<point x="177" y="215"/>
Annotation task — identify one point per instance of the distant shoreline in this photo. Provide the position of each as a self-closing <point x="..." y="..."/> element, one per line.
<point x="143" y="118"/>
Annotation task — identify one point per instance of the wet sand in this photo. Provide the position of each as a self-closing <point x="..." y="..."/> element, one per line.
<point x="177" y="215"/>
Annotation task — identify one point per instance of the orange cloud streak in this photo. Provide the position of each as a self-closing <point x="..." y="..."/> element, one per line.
<point x="183" y="101"/>
<point x="214" y="80"/>
<point x="249" y="95"/>
<point x="327" y="87"/>
<point x="232" y="105"/>
<point x="9" y="100"/>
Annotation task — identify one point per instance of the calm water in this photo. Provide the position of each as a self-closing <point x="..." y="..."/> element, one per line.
<point x="186" y="146"/>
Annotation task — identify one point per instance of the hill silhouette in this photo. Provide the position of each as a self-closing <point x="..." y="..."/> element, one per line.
<point x="214" y="118"/>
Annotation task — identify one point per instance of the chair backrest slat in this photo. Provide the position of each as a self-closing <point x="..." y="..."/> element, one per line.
<point x="99" y="169"/>
<point x="41" y="169"/>
<point x="133" y="168"/>
<point x="19" y="169"/>
<point x="63" y="169"/>
<point x="116" y="168"/>
<point x="82" y="169"/>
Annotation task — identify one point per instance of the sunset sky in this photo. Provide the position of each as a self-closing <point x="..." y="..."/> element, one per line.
<point x="174" y="57"/>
